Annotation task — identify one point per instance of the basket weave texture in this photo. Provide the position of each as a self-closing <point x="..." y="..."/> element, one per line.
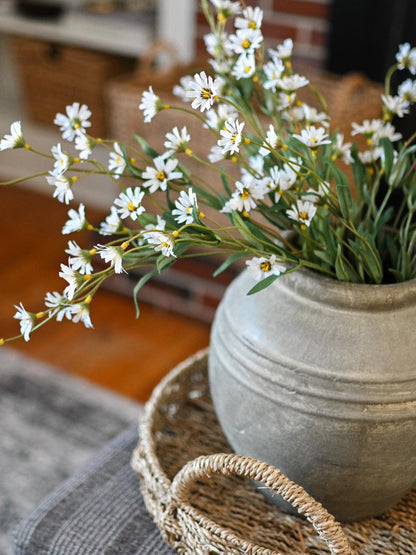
<point x="198" y="494"/>
<point x="54" y="75"/>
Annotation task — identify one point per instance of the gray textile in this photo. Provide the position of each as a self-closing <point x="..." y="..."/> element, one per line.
<point x="50" y="425"/>
<point x="99" y="511"/>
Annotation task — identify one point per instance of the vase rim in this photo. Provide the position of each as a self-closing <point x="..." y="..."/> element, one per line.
<point x="364" y="296"/>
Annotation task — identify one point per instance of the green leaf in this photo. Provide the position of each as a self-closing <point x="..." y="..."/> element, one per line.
<point x="228" y="262"/>
<point x="243" y="228"/>
<point x="369" y="256"/>
<point x="359" y="171"/>
<point x="225" y="182"/>
<point x="324" y="256"/>
<point x="342" y="269"/>
<point x="163" y="262"/>
<point x="142" y="281"/>
<point x="147" y="149"/>
<point x="343" y="192"/>
<point x="246" y="88"/>
<point x="263" y="284"/>
<point x="388" y="155"/>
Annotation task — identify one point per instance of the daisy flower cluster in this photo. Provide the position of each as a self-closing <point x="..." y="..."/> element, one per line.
<point x="277" y="177"/>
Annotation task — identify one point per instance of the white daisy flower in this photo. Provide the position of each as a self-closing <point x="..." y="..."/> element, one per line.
<point x="283" y="51"/>
<point x="161" y="242"/>
<point x="252" y="19"/>
<point x="262" y="267"/>
<point x="281" y="179"/>
<point x="291" y="83"/>
<point x="63" y="187"/>
<point x="387" y="130"/>
<point x="158" y="226"/>
<point x="342" y="150"/>
<point x="273" y="70"/>
<point x="81" y="313"/>
<point x="181" y="90"/>
<point x="116" y="162"/>
<point x="406" y="58"/>
<point x="231" y="136"/>
<point x="395" y="105"/>
<point x="303" y="212"/>
<point x="177" y="141"/>
<point x="271" y="142"/>
<point x="128" y="203"/>
<point x="246" y="40"/>
<point x="216" y="117"/>
<point x="76" y="222"/>
<point x="244" y="197"/>
<point x="158" y="177"/>
<point x="150" y="105"/>
<point x="407" y="91"/>
<point x="185" y="205"/>
<point x="79" y="259"/>
<point x="27" y="321"/>
<point x="59" y="305"/>
<point x="368" y="157"/>
<point x="73" y="278"/>
<point x="204" y="90"/>
<point x="218" y="44"/>
<point x="74" y="122"/>
<point x="226" y="8"/>
<point x="114" y="255"/>
<point x="311" y="116"/>
<point x="367" y="127"/>
<point x="15" y="139"/>
<point x="112" y="223"/>
<point x="62" y="160"/>
<point x="85" y="145"/>
<point x="313" y="137"/>
<point x="222" y="64"/>
<point x="245" y="66"/>
<point x="216" y="154"/>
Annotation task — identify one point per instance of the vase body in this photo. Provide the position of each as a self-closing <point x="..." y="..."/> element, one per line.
<point x="318" y="378"/>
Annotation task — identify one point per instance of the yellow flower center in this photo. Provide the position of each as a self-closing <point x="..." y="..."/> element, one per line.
<point x="131" y="206"/>
<point x="234" y="137"/>
<point x="246" y="44"/>
<point x="265" y="266"/>
<point x="247" y="69"/>
<point x="206" y="93"/>
<point x="245" y="193"/>
<point x="161" y="176"/>
<point x="252" y="25"/>
<point x="303" y="215"/>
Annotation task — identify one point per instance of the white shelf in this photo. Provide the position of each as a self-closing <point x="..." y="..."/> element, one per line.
<point x="105" y="34"/>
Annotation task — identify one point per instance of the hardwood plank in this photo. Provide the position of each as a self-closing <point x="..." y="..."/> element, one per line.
<point x="121" y="353"/>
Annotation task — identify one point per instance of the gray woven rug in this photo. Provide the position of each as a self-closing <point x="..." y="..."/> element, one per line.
<point x="50" y="425"/>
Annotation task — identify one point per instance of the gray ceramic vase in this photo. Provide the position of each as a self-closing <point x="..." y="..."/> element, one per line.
<point x="318" y="378"/>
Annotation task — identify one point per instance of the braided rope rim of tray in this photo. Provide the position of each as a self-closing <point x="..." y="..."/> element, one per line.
<point x="190" y="530"/>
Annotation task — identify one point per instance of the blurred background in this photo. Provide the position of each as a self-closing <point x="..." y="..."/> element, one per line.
<point x="104" y="53"/>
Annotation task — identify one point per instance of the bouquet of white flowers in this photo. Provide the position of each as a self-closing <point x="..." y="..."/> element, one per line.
<point x="291" y="205"/>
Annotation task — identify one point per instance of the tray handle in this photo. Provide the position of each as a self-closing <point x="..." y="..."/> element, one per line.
<point x="205" y="466"/>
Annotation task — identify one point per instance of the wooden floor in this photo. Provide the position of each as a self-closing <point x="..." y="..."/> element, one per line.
<point x="121" y="353"/>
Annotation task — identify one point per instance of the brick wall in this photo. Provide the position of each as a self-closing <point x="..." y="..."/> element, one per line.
<point x="304" y="21"/>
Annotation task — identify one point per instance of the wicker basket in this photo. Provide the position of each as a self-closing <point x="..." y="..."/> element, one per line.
<point x="202" y="499"/>
<point x="53" y="76"/>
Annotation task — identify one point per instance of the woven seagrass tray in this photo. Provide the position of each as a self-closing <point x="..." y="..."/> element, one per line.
<point x="202" y="498"/>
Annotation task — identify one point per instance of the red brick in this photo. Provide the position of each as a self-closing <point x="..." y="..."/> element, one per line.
<point x="278" y="32"/>
<point x="319" y="38"/>
<point x="300" y="7"/>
